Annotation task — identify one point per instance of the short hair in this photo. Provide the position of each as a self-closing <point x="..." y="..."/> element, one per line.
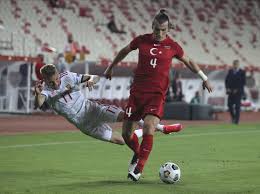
<point x="48" y="70"/>
<point x="162" y="17"/>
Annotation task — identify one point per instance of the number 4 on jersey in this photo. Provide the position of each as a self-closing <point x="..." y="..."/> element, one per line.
<point x="153" y="62"/>
<point x="128" y="111"/>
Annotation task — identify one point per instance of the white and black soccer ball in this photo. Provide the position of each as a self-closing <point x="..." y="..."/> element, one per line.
<point x="170" y="173"/>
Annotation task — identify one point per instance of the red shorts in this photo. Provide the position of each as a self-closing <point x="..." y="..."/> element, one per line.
<point x="141" y="104"/>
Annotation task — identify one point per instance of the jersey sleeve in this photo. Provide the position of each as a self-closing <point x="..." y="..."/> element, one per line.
<point x="134" y="44"/>
<point x="178" y="51"/>
<point x="76" y="78"/>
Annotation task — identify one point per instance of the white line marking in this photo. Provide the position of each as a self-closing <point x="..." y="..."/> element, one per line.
<point x="218" y="133"/>
<point x="177" y="136"/>
<point x="42" y="144"/>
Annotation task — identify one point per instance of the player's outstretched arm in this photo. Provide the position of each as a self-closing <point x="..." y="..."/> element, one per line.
<point x="90" y="80"/>
<point x="119" y="57"/>
<point x="196" y="69"/>
<point x="39" y="98"/>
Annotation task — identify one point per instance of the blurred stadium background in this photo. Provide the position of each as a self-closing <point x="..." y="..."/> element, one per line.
<point x="212" y="32"/>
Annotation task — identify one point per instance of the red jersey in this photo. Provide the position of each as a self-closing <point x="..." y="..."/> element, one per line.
<point x="154" y="62"/>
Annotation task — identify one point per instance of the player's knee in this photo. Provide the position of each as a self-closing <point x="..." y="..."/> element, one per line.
<point x="119" y="141"/>
<point x="148" y="128"/>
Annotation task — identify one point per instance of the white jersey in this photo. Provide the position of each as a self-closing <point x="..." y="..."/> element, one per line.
<point x="90" y="117"/>
<point x="71" y="104"/>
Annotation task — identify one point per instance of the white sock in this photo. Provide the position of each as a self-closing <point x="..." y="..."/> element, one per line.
<point x="159" y="126"/>
<point x="139" y="132"/>
<point x="141" y="123"/>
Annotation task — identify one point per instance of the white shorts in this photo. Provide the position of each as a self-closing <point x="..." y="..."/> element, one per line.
<point x="96" y="118"/>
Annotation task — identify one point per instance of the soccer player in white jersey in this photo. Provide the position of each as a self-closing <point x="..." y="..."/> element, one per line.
<point x="61" y="92"/>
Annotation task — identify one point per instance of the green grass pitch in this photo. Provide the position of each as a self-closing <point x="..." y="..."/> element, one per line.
<point x="213" y="159"/>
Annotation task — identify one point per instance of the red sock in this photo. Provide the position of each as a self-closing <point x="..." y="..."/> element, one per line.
<point x="145" y="149"/>
<point x="133" y="143"/>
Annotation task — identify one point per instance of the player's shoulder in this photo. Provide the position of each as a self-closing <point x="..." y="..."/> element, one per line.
<point x="144" y="36"/>
<point x="174" y="44"/>
<point x="148" y="35"/>
<point x="63" y="74"/>
<point x="172" y="41"/>
<point x="66" y="76"/>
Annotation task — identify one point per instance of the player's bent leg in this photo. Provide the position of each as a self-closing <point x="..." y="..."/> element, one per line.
<point x="105" y="133"/>
<point x="127" y="128"/>
<point x="135" y="136"/>
<point x="166" y="129"/>
<point x="117" y="138"/>
<point x="150" y="123"/>
<point x="132" y="141"/>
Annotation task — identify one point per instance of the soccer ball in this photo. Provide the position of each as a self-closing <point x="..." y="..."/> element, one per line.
<point x="170" y="173"/>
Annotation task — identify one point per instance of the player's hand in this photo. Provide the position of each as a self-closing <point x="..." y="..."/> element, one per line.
<point x="206" y="84"/>
<point x="38" y="87"/>
<point x="93" y="79"/>
<point x="90" y="83"/>
<point x="67" y="90"/>
<point x="108" y="73"/>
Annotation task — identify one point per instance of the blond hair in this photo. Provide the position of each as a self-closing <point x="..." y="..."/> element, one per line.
<point x="48" y="70"/>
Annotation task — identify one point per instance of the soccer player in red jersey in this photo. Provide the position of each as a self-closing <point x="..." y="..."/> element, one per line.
<point x="149" y="87"/>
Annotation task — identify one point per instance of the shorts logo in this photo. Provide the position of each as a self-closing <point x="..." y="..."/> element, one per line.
<point x="129" y="111"/>
<point x="152" y="109"/>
